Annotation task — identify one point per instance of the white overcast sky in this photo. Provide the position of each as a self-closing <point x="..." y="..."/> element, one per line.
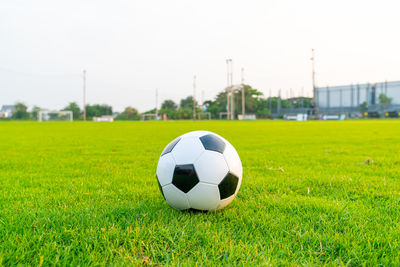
<point x="130" y="48"/>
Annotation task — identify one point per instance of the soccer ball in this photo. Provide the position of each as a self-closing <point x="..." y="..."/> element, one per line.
<point x="199" y="170"/>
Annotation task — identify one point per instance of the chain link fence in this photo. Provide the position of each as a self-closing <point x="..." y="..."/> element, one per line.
<point x="358" y="98"/>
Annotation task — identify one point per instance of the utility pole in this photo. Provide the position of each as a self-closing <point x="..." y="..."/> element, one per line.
<point x="84" y="95"/>
<point x="243" y="97"/>
<point x="314" y="98"/>
<point x="156" y="103"/>
<point x="194" y="97"/>
<point x="232" y="96"/>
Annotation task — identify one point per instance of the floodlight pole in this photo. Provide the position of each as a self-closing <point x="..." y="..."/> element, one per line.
<point x="314" y="98"/>
<point x="243" y="97"/>
<point x="84" y="95"/>
<point x="194" y="97"/>
<point x="232" y="112"/>
<point x="228" y="106"/>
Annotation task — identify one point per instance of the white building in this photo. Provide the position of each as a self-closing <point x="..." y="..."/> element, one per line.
<point x="7" y="111"/>
<point x="348" y="98"/>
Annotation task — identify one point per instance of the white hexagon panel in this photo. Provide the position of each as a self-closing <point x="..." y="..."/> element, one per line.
<point x="233" y="160"/>
<point x="187" y="150"/>
<point x="211" y="167"/>
<point x="204" y="197"/>
<point x="175" y="197"/>
<point x="199" y="170"/>
<point x="165" y="169"/>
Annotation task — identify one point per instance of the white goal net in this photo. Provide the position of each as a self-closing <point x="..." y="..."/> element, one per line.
<point x="148" y="117"/>
<point x="204" y="116"/>
<point x="54" y="115"/>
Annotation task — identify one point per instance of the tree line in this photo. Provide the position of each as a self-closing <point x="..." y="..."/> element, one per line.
<point x="21" y="111"/>
<point x="255" y="103"/>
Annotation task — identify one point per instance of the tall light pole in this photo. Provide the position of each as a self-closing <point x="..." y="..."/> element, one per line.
<point x="84" y="95"/>
<point x="194" y="97"/>
<point x="228" y="106"/>
<point x="314" y="98"/>
<point x="243" y="97"/>
<point x="232" y="112"/>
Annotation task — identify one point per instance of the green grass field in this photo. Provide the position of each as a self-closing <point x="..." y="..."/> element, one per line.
<point x="312" y="193"/>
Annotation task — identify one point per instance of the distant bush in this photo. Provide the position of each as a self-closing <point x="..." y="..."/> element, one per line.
<point x="129" y="114"/>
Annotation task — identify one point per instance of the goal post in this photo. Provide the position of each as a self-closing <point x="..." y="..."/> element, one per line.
<point x="55" y="115"/>
<point x="204" y="115"/>
<point x="148" y="116"/>
<point x="222" y="114"/>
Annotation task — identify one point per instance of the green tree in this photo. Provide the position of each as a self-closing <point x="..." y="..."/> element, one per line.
<point x="169" y="108"/>
<point x="151" y="111"/>
<point x="301" y="102"/>
<point x="20" y="112"/>
<point x="262" y="110"/>
<point x="272" y="103"/>
<point x="35" y="112"/>
<point x="169" y="104"/>
<point x="215" y="107"/>
<point x="384" y="102"/>
<point x="97" y="110"/>
<point x="363" y="107"/>
<point x="129" y="113"/>
<point x="285" y="103"/>
<point x="254" y="103"/>
<point x="384" y="99"/>
<point x="76" y="110"/>
<point x="185" y="113"/>
<point x="187" y="103"/>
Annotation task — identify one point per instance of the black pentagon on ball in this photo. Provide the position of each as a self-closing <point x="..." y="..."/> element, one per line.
<point x="185" y="177"/>
<point x="212" y="142"/>
<point x="228" y="185"/>
<point x="159" y="186"/>
<point x="170" y="146"/>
